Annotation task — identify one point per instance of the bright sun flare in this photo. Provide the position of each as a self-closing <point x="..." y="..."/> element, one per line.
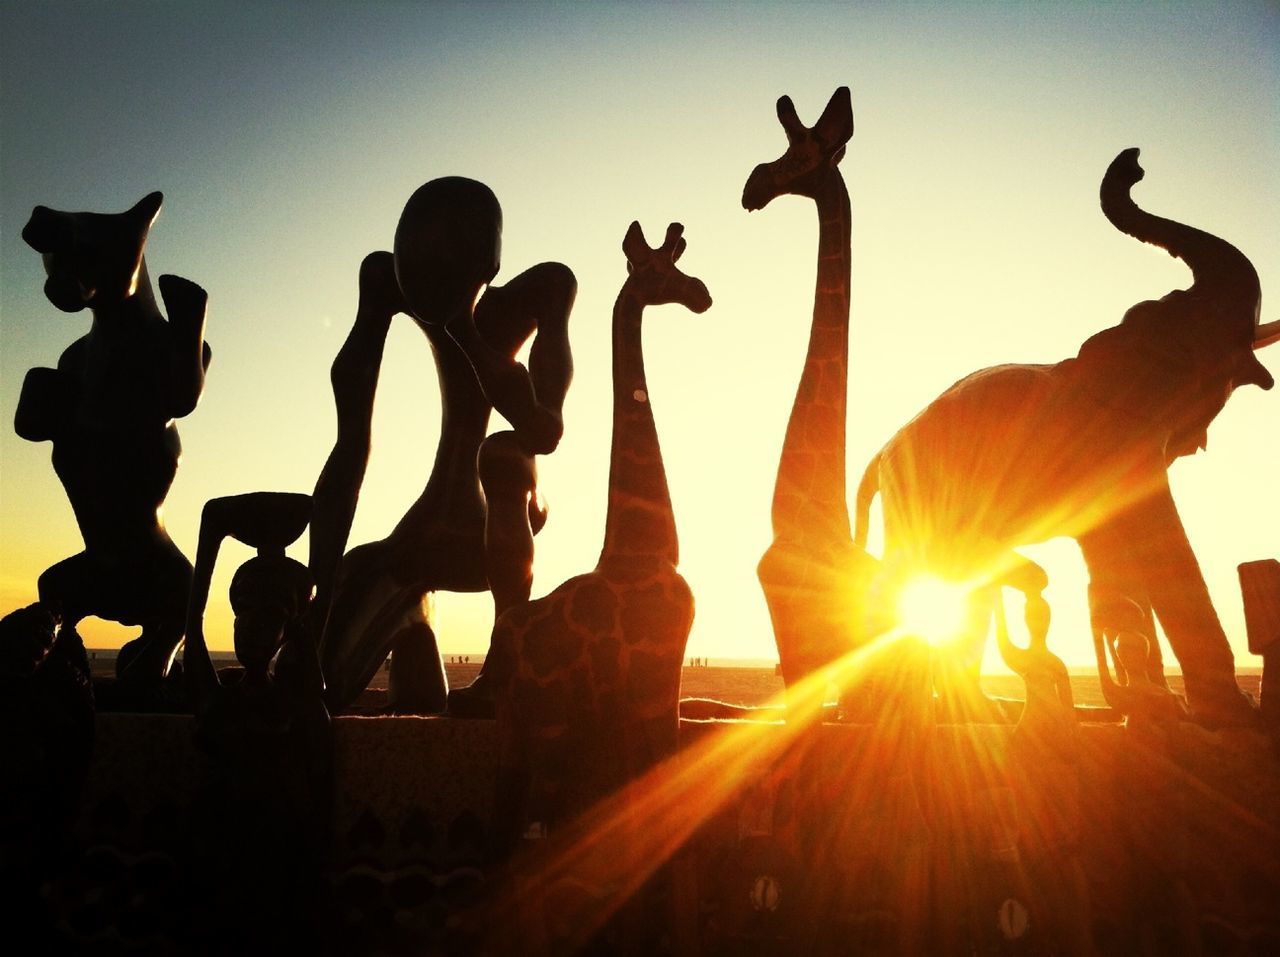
<point x="932" y="609"/>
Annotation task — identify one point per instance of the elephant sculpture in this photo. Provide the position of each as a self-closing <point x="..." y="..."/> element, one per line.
<point x="1018" y="454"/>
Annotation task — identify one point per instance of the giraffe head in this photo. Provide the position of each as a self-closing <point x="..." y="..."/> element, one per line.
<point x="652" y="274"/>
<point x="811" y="157"/>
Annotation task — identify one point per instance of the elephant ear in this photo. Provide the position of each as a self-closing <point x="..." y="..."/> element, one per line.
<point x="1253" y="372"/>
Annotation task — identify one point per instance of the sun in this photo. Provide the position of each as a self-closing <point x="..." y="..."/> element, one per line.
<point x="933" y="609"/>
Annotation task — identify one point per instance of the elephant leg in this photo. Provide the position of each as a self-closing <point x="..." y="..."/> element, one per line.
<point x="1146" y="554"/>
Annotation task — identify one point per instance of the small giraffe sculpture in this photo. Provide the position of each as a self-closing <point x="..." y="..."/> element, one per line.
<point x="590" y="674"/>
<point x="812" y="574"/>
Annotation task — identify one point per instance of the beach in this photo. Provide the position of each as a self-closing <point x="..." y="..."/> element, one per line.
<point x="743" y="684"/>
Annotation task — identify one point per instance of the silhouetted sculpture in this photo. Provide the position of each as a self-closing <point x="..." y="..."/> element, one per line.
<point x="590" y="674"/>
<point x="1121" y="628"/>
<point x="813" y="576"/>
<point x="1048" y="716"/>
<point x="1260" y="586"/>
<point x="46" y="743"/>
<point x="261" y="821"/>
<point x="446" y="253"/>
<point x="1017" y="454"/>
<point x="109" y="409"/>
<point x="1044" y="761"/>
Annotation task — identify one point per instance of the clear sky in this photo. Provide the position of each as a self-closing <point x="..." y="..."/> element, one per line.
<point x="287" y="136"/>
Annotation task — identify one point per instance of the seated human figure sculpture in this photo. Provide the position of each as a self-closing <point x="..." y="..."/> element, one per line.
<point x="372" y="600"/>
<point x="109" y="408"/>
<point x="261" y="819"/>
<point x="1121" y="626"/>
<point x="1048" y="715"/>
<point x="1044" y="764"/>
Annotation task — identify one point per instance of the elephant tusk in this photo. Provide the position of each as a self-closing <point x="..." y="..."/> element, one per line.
<point x="1266" y="333"/>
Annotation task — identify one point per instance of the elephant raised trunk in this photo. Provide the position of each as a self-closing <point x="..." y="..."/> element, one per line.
<point x="1223" y="274"/>
<point x="1226" y="292"/>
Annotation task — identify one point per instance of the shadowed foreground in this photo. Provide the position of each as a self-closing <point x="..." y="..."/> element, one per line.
<point x="773" y="842"/>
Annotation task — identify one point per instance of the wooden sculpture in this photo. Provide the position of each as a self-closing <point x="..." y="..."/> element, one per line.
<point x="109" y="409"/>
<point x="372" y="600"/>
<point x="590" y="674"/>
<point x="260" y="822"/>
<point x="1018" y="454"/>
<point x="1260" y="587"/>
<point x="814" y="577"/>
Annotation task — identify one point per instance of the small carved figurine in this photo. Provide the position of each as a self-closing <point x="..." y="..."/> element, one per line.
<point x="372" y="600"/>
<point x="1044" y="757"/>
<point x="109" y="408"/>
<point x="261" y="821"/>
<point x="1121" y="625"/>
<point x="1048" y="716"/>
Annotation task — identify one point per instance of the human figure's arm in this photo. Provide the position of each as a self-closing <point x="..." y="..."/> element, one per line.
<point x="1014" y="657"/>
<point x="189" y="354"/>
<point x="197" y="665"/>
<point x="530" y="399"/>
<point x="43" y="405"/>
<point x="354" y="376"/>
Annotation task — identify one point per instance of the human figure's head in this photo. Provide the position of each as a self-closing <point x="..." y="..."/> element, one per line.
<point x="268" y="594"/>
<point x="448" y="246"/>
<point x="1123" y="621"/>
<point x="26" y="637"/>
<point x="1037" y="617"/>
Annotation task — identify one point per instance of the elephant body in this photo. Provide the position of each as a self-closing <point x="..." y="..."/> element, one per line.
<point x="1019" y="454"/>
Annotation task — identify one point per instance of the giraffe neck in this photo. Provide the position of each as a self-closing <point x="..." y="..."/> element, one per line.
<point x="809" y="499"/>
<point x="640" y="521"/>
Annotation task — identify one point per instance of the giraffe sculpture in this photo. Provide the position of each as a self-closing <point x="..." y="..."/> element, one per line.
<point x="814" y="577"/>
<point x="590" y="674"/>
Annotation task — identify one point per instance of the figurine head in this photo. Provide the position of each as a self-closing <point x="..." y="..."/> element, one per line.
<point x="91" y="259"/>
<point x="448" y="247"/>
<point x="26" y="637"/>
<point x="268" y="594"/>
<point x="1037" y="617"/>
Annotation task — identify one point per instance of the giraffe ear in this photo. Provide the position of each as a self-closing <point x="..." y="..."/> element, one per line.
<point x="791" y="124"/>
<point x="633" y="245"/>
<point x="835" y="125"/>
<point x="673" y="243"/>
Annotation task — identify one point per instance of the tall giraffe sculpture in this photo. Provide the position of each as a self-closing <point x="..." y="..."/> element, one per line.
<point x="814" y="577"/>
<point x="590" y="674"/>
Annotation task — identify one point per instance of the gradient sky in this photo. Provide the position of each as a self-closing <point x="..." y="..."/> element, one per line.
<point x="287" y="136"/>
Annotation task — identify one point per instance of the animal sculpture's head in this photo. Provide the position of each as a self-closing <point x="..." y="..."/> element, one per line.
<point x="91" y="259"/>
<point x="1205" y="336"/>
<point x="811" y="157"/>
